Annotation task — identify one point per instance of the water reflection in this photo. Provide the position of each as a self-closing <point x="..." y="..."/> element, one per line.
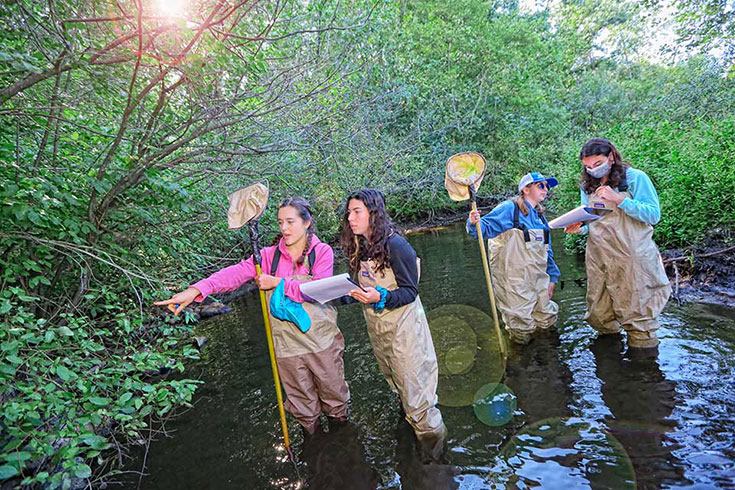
<point x="413" y="473"/>
<point x="641" y="400"/>
<point x="467" y="351"/>
<point x="539" y="378"/>
<point x="336" y="460"/>
<point x="564" y="453"/>
<point x="587" y="414"/>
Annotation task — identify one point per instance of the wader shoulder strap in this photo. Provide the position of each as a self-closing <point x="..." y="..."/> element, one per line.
<point x="517" y="223"/>
<point x="623" y="185"/>
<point x="547" y="231"/>
<point x="277" y="258"/>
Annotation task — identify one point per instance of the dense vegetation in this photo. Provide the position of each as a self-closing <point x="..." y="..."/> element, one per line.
<point x="123" y="129"/>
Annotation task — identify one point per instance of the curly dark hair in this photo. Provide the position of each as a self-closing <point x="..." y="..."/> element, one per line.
<point x="601" y="146"/>
<point x="304" y="209"/>
<point x="358" y="248"/>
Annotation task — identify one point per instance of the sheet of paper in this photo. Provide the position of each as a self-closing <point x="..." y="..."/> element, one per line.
<point x="581" y="213"/>
<point x="329" y="288"/>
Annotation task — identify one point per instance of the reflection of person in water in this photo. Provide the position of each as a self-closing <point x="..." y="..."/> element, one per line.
<point x="414" y="473"/>
<point x="539" y="379"/>
<point x="336" y="460"/>
<point x="641" y="399"/>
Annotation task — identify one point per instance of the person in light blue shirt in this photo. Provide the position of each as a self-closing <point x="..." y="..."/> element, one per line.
<point x="627" y="286"/>
<point x="521" y="259"/>
<point x="643" y="203"/>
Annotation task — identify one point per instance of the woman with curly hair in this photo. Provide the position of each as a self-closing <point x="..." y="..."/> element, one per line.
<point x="627" y="285"/>
<point x="387" y="269"/>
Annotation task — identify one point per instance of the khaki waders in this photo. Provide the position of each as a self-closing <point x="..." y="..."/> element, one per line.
<point x="310" y="365"/>
<point x="627" y="285"/>
<point x="518" y="259"/>
<point x="404" y="350"/>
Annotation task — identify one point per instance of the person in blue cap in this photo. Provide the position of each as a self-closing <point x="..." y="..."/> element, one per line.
<point x="521" y="259"/>
<point x="627" y="286"/>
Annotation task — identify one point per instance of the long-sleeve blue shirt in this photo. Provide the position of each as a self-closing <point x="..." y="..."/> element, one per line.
<point x="644" y="205"/>
<point x="500" y="219"/>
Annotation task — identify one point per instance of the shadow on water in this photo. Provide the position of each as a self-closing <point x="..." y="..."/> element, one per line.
<point x="588" y="413"/>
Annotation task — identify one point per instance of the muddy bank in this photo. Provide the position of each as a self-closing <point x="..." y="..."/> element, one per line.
<point x="705" y="273"/>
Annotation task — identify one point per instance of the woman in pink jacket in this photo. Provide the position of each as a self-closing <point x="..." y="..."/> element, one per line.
<point x="310" y="364"/>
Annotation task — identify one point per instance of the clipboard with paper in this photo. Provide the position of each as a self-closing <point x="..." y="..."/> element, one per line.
<point x="329" y="288"/>
<point x="583" y="214"/>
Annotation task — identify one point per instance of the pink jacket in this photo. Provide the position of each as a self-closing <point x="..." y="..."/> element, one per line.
<point x="234" y="276"/>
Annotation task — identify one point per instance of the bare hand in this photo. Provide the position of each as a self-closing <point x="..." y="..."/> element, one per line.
<point x="551" y="289"/>
<point x="474" y="217"/>
<point x="266" y="281"/>
<point x="574" y="228"/>
<point x="179" y="301"/>
<point x="370" y="295"/>
<point x="606" y="192"/>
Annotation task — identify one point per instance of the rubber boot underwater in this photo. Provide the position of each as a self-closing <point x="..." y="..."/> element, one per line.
<point x="415" y="474"/>
<point x="310" y="431"/>
<point x="432" y="446"/>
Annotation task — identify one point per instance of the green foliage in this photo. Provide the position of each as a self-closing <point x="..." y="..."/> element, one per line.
<point x="67" y="389"/>
<point x="116" y="168"/>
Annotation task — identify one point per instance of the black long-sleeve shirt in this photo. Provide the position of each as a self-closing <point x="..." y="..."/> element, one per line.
<point x="403" y="262"/>
<point x="402" y="258"/>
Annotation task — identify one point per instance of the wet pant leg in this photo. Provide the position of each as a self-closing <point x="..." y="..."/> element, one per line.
<point x="546" y="311"/>
<point x="517" y="313"/>
<point x="600" y="313"/>
<point x="328" y="369"/>
<point x="302" y="399"/>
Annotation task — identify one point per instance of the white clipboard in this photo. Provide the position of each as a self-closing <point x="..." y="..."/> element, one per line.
<point x="329" y="288"/>
<point x="581" y="213"/>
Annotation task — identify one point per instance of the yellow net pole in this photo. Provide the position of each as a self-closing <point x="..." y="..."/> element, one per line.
<point x="274" y="366"/>
<point x="489" y="282"/>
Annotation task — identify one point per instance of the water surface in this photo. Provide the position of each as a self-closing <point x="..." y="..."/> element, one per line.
<point x="589" y="414"/>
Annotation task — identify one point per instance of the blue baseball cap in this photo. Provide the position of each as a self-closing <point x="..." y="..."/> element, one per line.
<point x="533" y="177"/>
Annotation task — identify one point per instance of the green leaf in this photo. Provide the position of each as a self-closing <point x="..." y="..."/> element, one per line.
<point x="7" y="471"/>
<point x="82" y="471"/>
<point x="64" y="373"/>
<point x="66" y="331"/>
<point x="5" y="306"/>
<point x="29" y="67"/>
<point x="10" y="346"/>
<point x="38" y="280"/>
<point x="100" y="402"/>
<point x="21" y="456"/>
<point x="94" y="441"/>
<point x="35" y="218"/>
<point x="7" y="369"/>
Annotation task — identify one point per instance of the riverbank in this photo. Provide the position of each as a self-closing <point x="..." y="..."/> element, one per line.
<point x="703" y="274"/>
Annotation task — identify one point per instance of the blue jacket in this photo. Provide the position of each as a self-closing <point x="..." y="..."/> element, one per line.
<point x="644" y="206"/>
<point x="500" y="220"/>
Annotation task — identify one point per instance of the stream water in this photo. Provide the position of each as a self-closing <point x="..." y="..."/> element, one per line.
<point x="584" y="414"/>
